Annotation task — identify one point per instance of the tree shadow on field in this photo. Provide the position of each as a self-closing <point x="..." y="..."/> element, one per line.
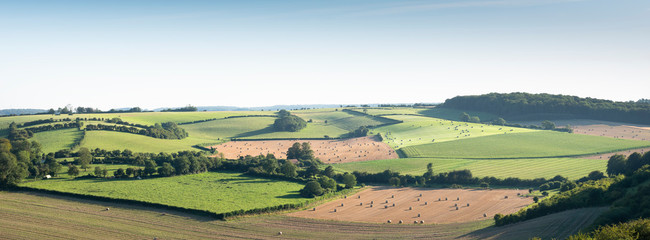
<point x="292" y="195"/>
<point x="268" y="129"/>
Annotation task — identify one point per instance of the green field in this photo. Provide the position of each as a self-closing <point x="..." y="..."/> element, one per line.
<point x="138" y="143"/>
<point x="211" y="191"/>
<point x="417" y="130"/>
<point x="52" y="141"/>
<point x="230" y="128"/>
<point x="572" y="168"/>
<point x="523" y="145"/>
<point x="313" y="130"/>
<point x="340" y="119"/>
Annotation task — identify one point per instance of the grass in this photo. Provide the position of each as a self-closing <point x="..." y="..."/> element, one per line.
<point x="313" y="130"/>
<point x="138" y="143"/>
<point x="523" y="145"/>
<point x="215" y="192"/>
<point x="52" y="141"/>
<point x="27" y="215"/>
<point x="418" y="130"/>
<point x="340" y="119"/>
<point x="573" y="168"/>
<point x="230" y="128"/>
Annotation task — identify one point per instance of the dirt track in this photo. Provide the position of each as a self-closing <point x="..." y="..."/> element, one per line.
<point x="376" y="205"/>
<point x="328" y="151"/>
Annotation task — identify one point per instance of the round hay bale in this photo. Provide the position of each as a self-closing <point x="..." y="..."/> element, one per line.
<point x="468" y="204"/>
<point x="389" y="221"/>
<point x="445" y="199"/>
<point x="455" y="204"/>
<point x="370" y="205"/>
<point x="372" y="202"/>
<point x="393" y="196"/>
<point x="359" y="196"/>
<point x="400" y="221"/>
<point x="421" y="221"/>
<point x="456" y="208"/>
<point x="418" y="215"/>
<point x="506" y="197"/>
<point x="418" y="199"/>
<point x="385" y="206"/>
<point x="360" y="204"/>
<point x="415" y="222"/>
<point x="279" y="233"/>
<point x="341" y="204"/>
<point x="426" y="203"/>
<point x="420" y="194"/>
<point x="484" y="214"/>
<point x="393" y="204"/>
<point x="313" y="209"/>
<point x="410" y="208"/>
<point x="457" y="198"/>
<point x="386" y="201"/>
<point x="108" y="209"/>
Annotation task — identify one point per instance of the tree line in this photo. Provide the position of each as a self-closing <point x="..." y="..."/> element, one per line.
<point x="188" y="108"/>
<point x="598" y="190"/>
<point x="517" y="105"/>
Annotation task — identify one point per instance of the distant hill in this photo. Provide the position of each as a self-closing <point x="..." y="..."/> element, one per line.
<point x="4" y="112"/>
<point x="267" y="108"/>
<point x="526" y="106"/>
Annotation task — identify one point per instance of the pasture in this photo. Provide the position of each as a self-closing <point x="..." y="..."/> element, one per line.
<point x="418" y="130"/>
<point x="328" y="151"/>
<point x="573" y="168"/>
<point x="523" y="145"/>
<point x="52" y="141"/>
<point x="340" y="119"/>
<point x="138" y="143"/>
<point x="432" y="206"/>
<point x="230" y="128"/>
<point x="211" y="191"/>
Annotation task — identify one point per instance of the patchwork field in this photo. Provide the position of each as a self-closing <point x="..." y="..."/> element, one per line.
<point x="137" y="143"/>
<point x="52" y="141"/>
<point x="604" y="128"/>
<point x="418" y="130"/>
<point x="380" y="204"/>
<point x="524" y="145"/>
<point x="340" y="119"/>
<point x="328" y="151"/>
<point x="220" y="129"/>
<point x="573" y="168"/>
<point x="211" y="191"/>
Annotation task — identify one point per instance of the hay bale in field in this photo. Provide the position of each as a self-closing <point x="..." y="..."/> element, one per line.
<point x="456" y="208"/>
<point x="418" y="215"/>
<point x="372" y="202"/>
<point x="506" y="197"/>
<point x="360" y="204"/>
<point x="410" y="208"/>
<point x="359" y="196"/>
<point x="389" y="221"/>
<point x="484" y="214"/>
<point x="415" y="222"/>
<point x="426" y="203"/>
<point x="393" y="204"/>
<point x="455" y="204"/>
<point x="385" y="206"/>
<point x="108" y="209"/>
<point x="335" y="210"/>
<point x="386" y="201"/>
<point x="421" y="221"/>
<point x="468" y="204"/>
<point x="341" y="204"/>
<point x="313" y="209"/>
<point x="279" y="233"/>
<point x="370" y="205"/>
<point x="457" y="198"/>
<point x="445" y="199"/>
<point x="393" y="196"/>
<point x="420" y="194"/>
<point x="400" y="221"/>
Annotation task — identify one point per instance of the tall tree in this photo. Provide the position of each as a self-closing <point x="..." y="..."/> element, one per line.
<point x="85" y="157"/>
<point x="616" y="165"/>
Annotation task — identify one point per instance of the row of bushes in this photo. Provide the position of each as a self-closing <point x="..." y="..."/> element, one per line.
<point x="42" y="121"/>
<point x="167" y="130"/>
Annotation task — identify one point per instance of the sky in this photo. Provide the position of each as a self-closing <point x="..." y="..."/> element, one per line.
<point x="113" y="54"/>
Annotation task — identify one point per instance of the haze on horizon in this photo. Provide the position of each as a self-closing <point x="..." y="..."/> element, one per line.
<point x="258" y="53"/>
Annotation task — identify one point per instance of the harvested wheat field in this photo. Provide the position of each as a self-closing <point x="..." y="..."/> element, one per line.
<point x="603" y="128"/>
<point x="381" y="204"/>
<point x="328" y="151"/>
<point x="626" y="153"/>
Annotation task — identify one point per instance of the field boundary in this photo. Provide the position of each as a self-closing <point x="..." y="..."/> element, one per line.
<point x="214" y="119"/>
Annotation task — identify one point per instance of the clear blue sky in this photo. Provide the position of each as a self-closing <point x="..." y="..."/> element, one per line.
<point x="152" y="54"/>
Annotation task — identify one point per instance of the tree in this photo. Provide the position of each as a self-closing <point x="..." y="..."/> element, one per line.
<point x="349" y="180"/>
<point x="327" y="183"/>
<point x="311" y="171"/>
<point x="119" y="173"/>
<point x="311" y="189"/>
<point x="394" y="181"/>
<point x="129" y="171"/>
<point x="329" y="171"/>
<point x="499" y="121"/>
<point x="289" y="123"/>
<point x="294" y="152"/>
<point x="84" y="157"/>
<point x="596" y="175"/>
<point x="11" y="172"/>
<point x="548" y="125"/>
<point x="181" y="165"/>
<point x="485" y="185"/>
<point x="104" y="172"/>
<point x="616" y="165"/>
<point x="475" y="119"/>
<point x="306" y="152"/>
<point x="166" y="170"/>
<point x="536" y="199"/>
<point x="289" y="169"/>
<point x="149" y="167"/>
<point x="73" y="170"/>
<point x="634" y="162"/>
<point x="464" y="117"/>
<point x="98" y="171"/>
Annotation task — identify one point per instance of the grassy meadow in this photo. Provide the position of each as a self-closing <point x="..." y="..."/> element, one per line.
<point x="573" y="168"/>
<point x="52" y="141"/>
<point x="230" y="128"/>
<point x="138" y="143"/>
<point x="211" y="191"/>
<point x="523" y="145"/>
<point x="418" y="130"/>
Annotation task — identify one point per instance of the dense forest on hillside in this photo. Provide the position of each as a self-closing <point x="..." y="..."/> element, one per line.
<point x="526" y="106"/>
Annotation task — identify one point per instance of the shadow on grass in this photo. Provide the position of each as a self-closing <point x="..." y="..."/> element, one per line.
<point x="268" y="129"/>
